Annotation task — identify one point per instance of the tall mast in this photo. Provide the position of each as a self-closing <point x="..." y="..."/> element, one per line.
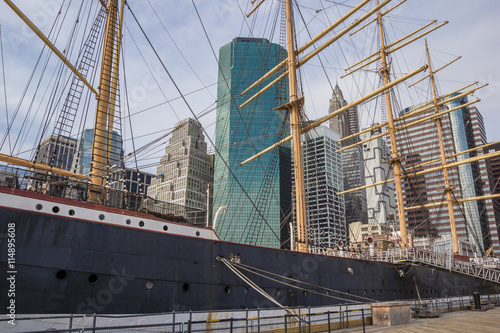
<point x="300" y="198"/>
<point x="105" y="105"/>
<point x="392" y="133"/>
<point x="449" y="199"/>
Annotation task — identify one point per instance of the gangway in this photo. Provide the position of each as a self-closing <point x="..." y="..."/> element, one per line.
<point x="444" y="262"/>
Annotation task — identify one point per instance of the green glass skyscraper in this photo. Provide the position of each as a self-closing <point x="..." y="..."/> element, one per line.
<point x="258" y="194"/>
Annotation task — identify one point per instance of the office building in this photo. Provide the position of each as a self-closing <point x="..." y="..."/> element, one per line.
<point x="131" y="187"/>
<point x="184" y="171"/>
<point x="463" y="129"/>
<point x="56" y="151"/>
<point x="83" y="155"/>
<point x="257" y="195"/>
<point x="380" y="199"/>
<point x="347" y="124"/>
<point x="322" y="180"/>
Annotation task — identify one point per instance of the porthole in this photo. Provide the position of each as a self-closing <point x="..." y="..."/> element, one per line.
<point x="245" y="290"/>
<point x="150" y="284"/>
<point x="165" y="228"/>
<point x="365" y="293"/>
<point x="128" y="221"/>
<point x="93" y="278"/>
<point x="101" y="217"/>
<point x="347" y="291"/>
<point x="380" y="292"/>
<point x="141" y="224"/>
<point x="373" y="292"/>
<point x="305" y="293"/>
<point x="55" y="209"/>
<point x="185" y="286"/>
<point x="197" y="233"/>
<point x="71" y="212"/>
<point x="291" y="292"/>
<point x="227" y="290"/>
<point x="60" y="275"/>
<point x="278" y="292"/>
<point x="328" y="292"/>
<point x="39" y="207"/>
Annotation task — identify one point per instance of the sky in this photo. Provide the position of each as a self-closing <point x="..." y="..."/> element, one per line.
<point x="188" y="34"/>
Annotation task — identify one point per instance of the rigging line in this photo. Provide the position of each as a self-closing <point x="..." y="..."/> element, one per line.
<point x="151" y="144"/>
<point x="468" y="226"/>
<point x="23" y="94"/>
<point x="255" y="286"/>
<point x="246" y="129"/>
<point x="5" y="91"/>
<point x="58" y="73"/>
<point x="253" y="270"/>
<point x="147" y="65"/>
<point x="176" y="98"/>
<point x="182" y="55"/>
<point x="128" y="111"/>
<point x="70" y="47"/>
<point x="192" y="112"/>
<point x="310" y="36"/>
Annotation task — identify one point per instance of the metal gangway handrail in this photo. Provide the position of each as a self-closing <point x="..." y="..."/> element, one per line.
<point x="439" y="261"/>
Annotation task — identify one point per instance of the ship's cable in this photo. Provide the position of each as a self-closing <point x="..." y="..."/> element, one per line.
<point x="252" y="284"/>
<point x="255" y="271"/>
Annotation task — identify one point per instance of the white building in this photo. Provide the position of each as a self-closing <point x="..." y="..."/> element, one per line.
<point x="184" y="171"/>
<point x="381" y="203"/>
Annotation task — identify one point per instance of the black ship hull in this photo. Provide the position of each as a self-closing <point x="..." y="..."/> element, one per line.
<point x="72" y="257"/>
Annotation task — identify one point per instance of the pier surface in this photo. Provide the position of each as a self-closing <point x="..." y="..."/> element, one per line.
<point x="459" y="321"/>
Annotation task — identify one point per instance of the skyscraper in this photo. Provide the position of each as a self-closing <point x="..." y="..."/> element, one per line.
<point x="462" y="129"/>
<point x="347" y="124"/>
<point x="257" y="195"/>
<point x="83" y="155"/>
<point x="322" y="180"/>
<point x="184" y="171"/>
<point x="380" y="199"/>
<point x="56" y="151"/>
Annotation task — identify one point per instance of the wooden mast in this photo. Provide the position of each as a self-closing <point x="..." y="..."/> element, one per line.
<point x="449" y="199"/>
<point x="392" y="133"/>
<point x="105" y="106"/>
<point x="294" y="107"/>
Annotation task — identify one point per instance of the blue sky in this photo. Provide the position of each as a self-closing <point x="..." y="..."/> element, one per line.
<point x="472" y="33"/>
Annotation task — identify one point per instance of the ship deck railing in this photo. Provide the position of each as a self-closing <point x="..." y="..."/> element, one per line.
<point x="484" y="269"/>
<point x="442" y="261"/>
<point x="114" y="194"/>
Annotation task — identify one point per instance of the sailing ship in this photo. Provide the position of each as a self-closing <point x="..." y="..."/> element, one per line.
<point x="67" y="255"/>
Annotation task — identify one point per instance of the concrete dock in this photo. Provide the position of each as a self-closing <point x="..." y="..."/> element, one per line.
<point x="459" y="321"/>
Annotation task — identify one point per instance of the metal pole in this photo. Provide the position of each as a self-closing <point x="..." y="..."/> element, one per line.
<point x="328" y="321"/>
<point x="309" y="319"/>
<point x="258" y="320"/>
<point x="363" y="318"/>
